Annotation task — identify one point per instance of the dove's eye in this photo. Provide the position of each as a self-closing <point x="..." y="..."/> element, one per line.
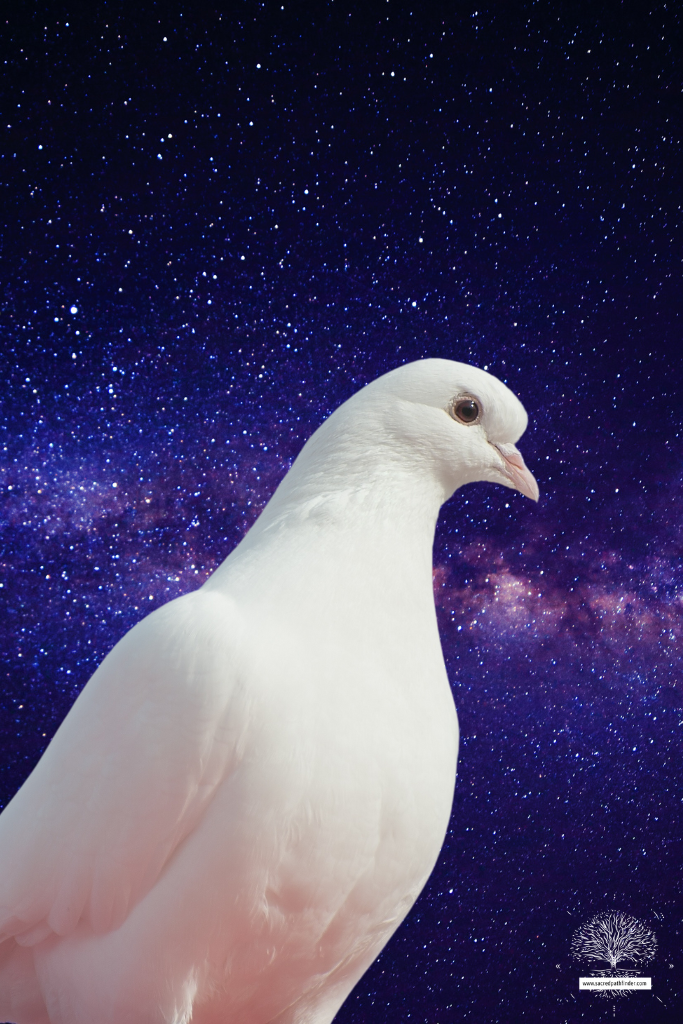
<point x="466" y="410"/>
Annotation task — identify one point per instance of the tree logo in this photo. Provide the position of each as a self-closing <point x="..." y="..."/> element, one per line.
<point x="621" y="941"/>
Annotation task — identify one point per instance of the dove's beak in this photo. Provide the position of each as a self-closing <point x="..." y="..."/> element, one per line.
<point x="516" y="471"/>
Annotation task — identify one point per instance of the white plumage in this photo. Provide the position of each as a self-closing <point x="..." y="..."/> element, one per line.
<point x="249" y="794"/>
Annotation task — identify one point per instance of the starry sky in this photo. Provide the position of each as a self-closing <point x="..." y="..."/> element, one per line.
<point x="219" y="222"/>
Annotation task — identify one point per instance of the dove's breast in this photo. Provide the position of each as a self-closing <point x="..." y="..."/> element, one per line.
<point x="353" y="753"/>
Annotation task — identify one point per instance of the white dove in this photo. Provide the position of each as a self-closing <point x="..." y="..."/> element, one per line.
<point x="247" y="797"/>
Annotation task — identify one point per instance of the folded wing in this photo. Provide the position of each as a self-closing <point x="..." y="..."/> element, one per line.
<point x="127" y="776"/>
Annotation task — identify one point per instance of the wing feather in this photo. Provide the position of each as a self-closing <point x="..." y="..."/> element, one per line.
<point x="127" y="776"/>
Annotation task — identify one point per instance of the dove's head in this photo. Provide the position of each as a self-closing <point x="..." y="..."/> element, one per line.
<point x="456" y="420"/>
<point x="419" y="432"/>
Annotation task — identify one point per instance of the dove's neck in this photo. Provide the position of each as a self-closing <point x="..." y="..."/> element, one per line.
<point x="359" y="519"/>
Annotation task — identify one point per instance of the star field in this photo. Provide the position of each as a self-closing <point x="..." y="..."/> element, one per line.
<point x="221" y="222"/>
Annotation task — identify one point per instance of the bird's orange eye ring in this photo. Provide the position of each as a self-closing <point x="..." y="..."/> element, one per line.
<point x="466" y="409"/>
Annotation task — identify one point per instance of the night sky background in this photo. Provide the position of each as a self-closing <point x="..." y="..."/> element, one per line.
<point x="220" y="222"/>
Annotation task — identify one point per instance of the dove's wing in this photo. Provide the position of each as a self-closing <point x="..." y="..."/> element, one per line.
<point x="126" y="777"/>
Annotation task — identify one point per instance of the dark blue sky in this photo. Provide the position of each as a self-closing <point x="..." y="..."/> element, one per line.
<point x="222" y="220"/>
